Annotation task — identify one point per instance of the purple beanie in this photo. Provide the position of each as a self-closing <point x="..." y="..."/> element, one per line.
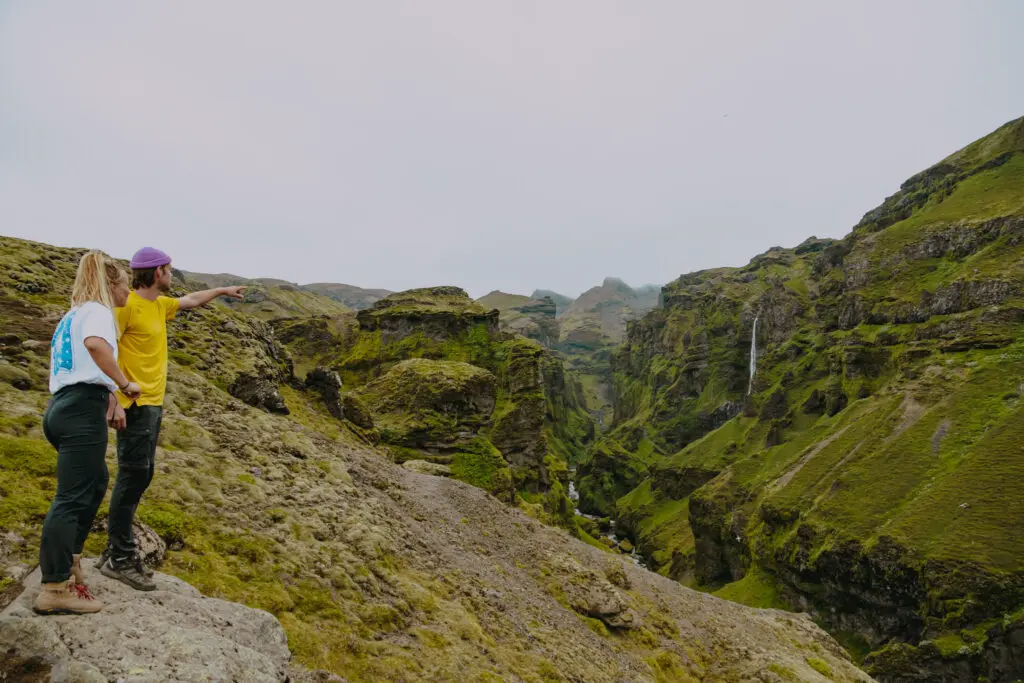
<point x="149" y="257"/>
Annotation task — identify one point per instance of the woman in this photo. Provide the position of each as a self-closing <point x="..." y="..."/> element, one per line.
<point x="83" y="378"/>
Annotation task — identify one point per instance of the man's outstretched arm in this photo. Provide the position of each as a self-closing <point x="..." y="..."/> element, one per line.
<point x="197" y="299"/>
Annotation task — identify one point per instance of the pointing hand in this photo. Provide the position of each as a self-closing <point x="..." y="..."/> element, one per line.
<point x="236" y="292"/>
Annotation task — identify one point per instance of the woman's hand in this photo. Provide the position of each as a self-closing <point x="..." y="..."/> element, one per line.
<point x="131" y="390"/>
<point x="103" y="355"/>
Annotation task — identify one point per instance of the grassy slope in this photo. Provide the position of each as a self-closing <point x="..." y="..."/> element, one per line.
<point x="502" y="301"/>
<point x="284" y="301"/>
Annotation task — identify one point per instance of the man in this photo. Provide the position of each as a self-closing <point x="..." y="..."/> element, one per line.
<point x="142" y="324"/>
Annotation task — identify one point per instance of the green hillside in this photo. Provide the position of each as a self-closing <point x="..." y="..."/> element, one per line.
<point x="269" y="299"/>
<point x="873" y="472"/>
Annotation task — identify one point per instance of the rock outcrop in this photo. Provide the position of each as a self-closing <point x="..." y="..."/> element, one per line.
<point x="430" y="404"/>
<point x="436" y="313"/>
<point x="170" y="634"/>
<point x="327" y="384"/>
<point x="259" y="392"/>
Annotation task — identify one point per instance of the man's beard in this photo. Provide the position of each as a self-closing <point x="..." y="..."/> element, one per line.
<point x="165" y="286"/>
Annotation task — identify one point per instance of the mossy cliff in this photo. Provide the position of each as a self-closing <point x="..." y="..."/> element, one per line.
<point x="531" y="318"/>
<point x="871" y="472"/>
<point x="375" y="572"/>
<point x="446" y="385"/>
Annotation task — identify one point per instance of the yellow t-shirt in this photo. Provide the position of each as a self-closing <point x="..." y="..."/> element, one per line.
<point x="142" y="348"/>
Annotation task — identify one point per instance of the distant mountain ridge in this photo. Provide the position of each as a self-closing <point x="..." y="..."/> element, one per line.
<point x="350" y="296"/>
<point x="584" y="330"/>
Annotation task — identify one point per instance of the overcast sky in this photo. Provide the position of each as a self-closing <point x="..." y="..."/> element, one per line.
<point x="509" y="145"/>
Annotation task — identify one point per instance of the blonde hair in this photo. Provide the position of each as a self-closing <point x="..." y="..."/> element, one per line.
<point x="97" y="275"/>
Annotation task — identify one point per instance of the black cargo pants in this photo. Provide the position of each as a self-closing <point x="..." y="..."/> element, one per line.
<point x="76" y="424"/>
<point x="136" y="461"/>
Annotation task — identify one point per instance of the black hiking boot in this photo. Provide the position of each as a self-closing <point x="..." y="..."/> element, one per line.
<point x="143" y="569"/>
<point x="139" y="564"/>
<point x="127" y="572"/>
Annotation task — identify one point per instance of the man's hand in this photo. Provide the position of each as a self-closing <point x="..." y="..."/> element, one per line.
<point x="235" y="292"/>
<point x="131" y="390"/>
<point x="116" y="418"/>
<point x="197" y="299"/>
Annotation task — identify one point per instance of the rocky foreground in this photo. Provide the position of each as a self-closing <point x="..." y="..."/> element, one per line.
<point x="170" y="634"/>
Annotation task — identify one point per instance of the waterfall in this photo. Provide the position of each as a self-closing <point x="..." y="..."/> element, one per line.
<point x="753" y="356"/>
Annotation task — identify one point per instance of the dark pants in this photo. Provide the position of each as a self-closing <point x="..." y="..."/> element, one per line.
<point x="76" y="424"/>
<point x="136" y="460"/>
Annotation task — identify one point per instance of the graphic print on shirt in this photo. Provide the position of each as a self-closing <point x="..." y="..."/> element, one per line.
<point x="62" y="351"/>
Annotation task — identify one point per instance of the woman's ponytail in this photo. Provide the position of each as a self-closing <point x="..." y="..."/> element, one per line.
<point x="91" y="282"/>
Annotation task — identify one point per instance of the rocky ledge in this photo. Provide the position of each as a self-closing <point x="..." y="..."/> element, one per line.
<point x="171" y="634"/>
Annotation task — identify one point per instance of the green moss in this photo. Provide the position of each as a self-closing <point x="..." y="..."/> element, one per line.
<point x="988" y="194"/>
<point x="668" y="666"/>
<point x="479" y="463"/>
<point x="783" y="672"/>
<point x="169" y="522"/>
<point x="27" y="485"/>
<point x="820" y="666"/>
<point x="591" y="541"/>
<point x="597" y="626"/>
<point x="950" y="644"/>
<point x="756" y="589"/>
<point x="181" y="358"/>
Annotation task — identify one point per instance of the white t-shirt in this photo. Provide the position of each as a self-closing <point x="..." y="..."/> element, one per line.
<point x="70" y="362"/>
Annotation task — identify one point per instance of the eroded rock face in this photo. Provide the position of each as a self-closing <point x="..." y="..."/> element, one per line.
<point x="533" y="318"/>
<point x="999" y="660"/>
<point x="436" y="312"/>
<point x="327" y="384"/>
<point x="170" y="634"/>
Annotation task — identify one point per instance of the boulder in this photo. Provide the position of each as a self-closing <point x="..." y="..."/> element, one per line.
<point x="151" y="548"/>
<point x="259" y="392"/>
<point x="355" y="412"/>
<point x="170" y="634"/>
<point x="327" y="383"/>
<point x="593" y="595"/>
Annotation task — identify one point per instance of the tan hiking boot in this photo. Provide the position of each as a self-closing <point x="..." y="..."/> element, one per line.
<point x="77" y="573"/>
<point x="66" y="597"/>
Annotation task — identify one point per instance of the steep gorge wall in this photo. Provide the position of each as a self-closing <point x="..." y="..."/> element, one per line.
<point x="872" y="474"/>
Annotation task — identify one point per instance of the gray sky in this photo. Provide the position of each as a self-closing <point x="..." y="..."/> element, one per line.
<point x="491" y="145"/>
